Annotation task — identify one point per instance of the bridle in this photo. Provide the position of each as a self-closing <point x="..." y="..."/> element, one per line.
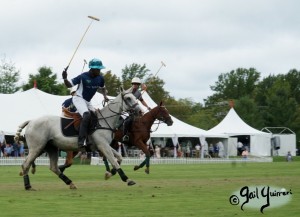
<point x="120" y="112"/>
<point x="159" y="115"/>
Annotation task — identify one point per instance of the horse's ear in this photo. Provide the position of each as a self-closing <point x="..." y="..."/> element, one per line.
<point x="121" y="89"/>
<point x="161" y="103"/>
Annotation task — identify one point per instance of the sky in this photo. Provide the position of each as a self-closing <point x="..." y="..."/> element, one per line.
<point x="196" y="39"/>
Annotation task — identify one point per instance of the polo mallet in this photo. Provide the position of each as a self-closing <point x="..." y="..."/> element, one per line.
<point x="162" y="64"/>
<point x="84" y="63"/>
<point x="92" y="20"/>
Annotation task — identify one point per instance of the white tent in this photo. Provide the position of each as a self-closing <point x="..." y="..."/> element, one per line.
<point x="283" y="141"/>
<point x="232" y="125"/>
<point x="21" y="106"/>
<point x="33" y="103"/>
<point x="178" y="129"/>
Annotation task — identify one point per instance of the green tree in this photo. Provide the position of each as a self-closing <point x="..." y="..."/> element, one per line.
<point x="134" y="70"/>
<point x="112" y="83"/>
<point x="47" y="82"/>
<point x="281" y="106"/>
<point x="9" y="76"/>
<point x="235" y="84"/>
<point x="293" y="78"/>
<point x="155" y="89"/>
<point x="261" y="90"/>
<point x="155" y="85"/>
<point x="250" y="112"/>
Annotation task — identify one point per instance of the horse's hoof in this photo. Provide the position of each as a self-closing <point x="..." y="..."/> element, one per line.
<point x="30" y="189"/>
<point x="33" y="170"/>
<point x="21" y="173"/>
<point x="130" y="182"/>
<point x="147" y="171"/>
<point x="72" y="186"/>
<point x="107" y="175"/>
<point x="136" y="168"/>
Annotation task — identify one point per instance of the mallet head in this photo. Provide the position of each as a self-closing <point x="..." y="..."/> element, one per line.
<point x="94" y="18"/>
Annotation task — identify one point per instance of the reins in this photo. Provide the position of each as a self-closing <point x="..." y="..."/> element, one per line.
<point x="114" y="112"/>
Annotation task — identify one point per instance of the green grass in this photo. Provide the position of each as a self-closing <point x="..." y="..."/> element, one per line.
<point x="169" y="190"/>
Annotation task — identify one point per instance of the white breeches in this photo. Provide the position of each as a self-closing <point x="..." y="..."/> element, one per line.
<point x="82" y="105"/>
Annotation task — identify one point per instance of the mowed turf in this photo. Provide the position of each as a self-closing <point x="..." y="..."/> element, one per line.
<point x="169" y="190"/>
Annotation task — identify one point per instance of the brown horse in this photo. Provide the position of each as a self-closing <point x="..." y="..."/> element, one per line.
<point x="139" y="134"/>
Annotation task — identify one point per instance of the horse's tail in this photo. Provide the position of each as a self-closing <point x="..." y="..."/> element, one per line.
<point x="18" y="133"/>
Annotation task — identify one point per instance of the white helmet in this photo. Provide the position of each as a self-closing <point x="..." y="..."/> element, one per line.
<point x="136" y="80"/>
<point x="73" y="89"/>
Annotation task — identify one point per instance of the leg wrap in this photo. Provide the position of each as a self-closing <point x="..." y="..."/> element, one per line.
<point x="106" y="164"/>
<point x="113" y="171"/>
<point x="143" y="163"/>
<point x="63" y="167"/>
<point x="147" y="161"/>
<point x="122" y="175"/>
<point x="65" y="179"/>
<point x="26" y="182"/>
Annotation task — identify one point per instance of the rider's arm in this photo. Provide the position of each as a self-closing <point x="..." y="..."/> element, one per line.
<point x="103" y="91"/>
<point x="65" y="77"/>
<point x="145" y="104"/>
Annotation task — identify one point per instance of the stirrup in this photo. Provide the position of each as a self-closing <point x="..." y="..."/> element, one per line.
<point x="125" y="138"/>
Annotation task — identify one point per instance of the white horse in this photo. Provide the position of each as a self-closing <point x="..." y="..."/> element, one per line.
<point x="45" y="134"/>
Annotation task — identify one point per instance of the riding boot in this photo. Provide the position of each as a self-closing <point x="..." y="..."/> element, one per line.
<point x="83" y="129"/>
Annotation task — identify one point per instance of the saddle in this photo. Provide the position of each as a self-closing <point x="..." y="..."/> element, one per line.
<point x="70" y="123"/>
<point x="74" y="115"/>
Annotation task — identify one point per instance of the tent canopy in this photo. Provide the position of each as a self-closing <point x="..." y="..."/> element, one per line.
<point x="179" y="128"/>
<point x="31" y="104"/>
<point x="233" y="125"/>
<point x="34" y="103"/>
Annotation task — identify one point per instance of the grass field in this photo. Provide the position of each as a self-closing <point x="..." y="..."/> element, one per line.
<point x="169" y="190"/>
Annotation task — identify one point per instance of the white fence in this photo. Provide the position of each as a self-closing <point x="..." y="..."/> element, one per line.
<point x="9" y="161"/>
<point x="136" y="161"/>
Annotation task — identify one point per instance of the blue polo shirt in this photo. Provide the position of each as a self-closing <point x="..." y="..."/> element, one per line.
<point x="87" y="85"/>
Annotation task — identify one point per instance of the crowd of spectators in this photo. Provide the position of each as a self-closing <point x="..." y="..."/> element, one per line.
<point x="11" y="149"/>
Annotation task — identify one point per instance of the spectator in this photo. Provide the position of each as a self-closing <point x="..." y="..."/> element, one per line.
<point x="188" y="150"/>
<point x="198" y="147"/>
<point x="211" y="150"/>
<point x="221" y="149"/>
<point x="240" y="148"/>
<point x="216" y="150"/>
<point x="15" y="148"/>
<point x="21" y="150"/>
<point x="245" y="154"/>
<point x="7" y="150"/>
<point x="157" y="151"/>
<point x="179" y="150"/>
<point x="289" y="157"/>
<point x="2" y="143"/>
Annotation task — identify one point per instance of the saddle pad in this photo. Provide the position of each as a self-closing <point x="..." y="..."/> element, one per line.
<point x="67" y="127"/>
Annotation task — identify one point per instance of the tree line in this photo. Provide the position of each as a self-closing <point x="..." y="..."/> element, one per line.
<point x="272" y="101"/>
